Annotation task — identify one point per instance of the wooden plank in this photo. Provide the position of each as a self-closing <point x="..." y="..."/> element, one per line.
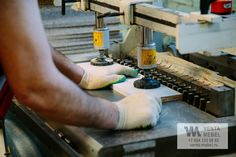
<point x="159" y="12"/>
<point x="2" y="145"/>
<point x="197" y="37"/>
<point x="126" y="88"/>
<point x="182" y="69"/>
<point x="231" y="51"/>
<point x="165" y="93"/>
<point x="212" y="18"/>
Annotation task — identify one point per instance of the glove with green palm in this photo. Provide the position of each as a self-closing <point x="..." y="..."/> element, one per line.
<point x="96" y="77"/>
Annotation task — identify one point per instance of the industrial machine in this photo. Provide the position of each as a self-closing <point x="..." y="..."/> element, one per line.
<point x="146" y="54"/>
<point x="101" y="41"/>
<point x="206" y="96"/>
<point x="193" y="33"/>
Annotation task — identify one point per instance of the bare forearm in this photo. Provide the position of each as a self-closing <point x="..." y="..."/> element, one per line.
<point x="76" y="107"/>
<point x="93" y="113"/>
<point x="61" y="100"/>
<point x="67" y="67"/>
<point x="36" y="81"/>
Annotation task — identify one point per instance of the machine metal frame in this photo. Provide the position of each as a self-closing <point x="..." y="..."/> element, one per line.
<point x="193" y="32"/>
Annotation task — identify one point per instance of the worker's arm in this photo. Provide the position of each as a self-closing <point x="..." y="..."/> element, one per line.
<point x="67" y="67"/>
<point x="27" y="62"/>
<point x="139" y="110"/>
<point x="92" y="79"/>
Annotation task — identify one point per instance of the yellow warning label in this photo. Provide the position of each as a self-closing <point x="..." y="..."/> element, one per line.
<point x="148" y="57"/>
<point x="98" y="39"/>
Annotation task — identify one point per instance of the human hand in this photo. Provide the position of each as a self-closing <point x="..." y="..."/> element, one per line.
<point x="138" y="111"/>
<point x="96" y="77"/>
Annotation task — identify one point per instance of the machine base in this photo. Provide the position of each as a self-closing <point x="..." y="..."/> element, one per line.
<point x="101" y="61"/>
<point x="146" y="83"/>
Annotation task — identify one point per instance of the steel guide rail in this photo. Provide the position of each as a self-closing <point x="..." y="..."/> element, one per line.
<point x="216" y="101"/>
<point x="141" y="16"/>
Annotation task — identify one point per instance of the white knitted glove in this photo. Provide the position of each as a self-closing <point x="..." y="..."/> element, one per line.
<point x="103" y="76"/>
<point x="138" y="111"/>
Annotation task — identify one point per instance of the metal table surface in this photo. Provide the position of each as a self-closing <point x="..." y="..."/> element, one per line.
<point x="31" y="136"/>
<point x="159" y="141"/>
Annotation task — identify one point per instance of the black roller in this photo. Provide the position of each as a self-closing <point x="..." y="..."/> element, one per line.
<point x="101" y="61"/>
<point x="147" y="83"/>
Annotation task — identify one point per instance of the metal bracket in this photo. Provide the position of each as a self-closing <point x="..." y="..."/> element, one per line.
<point x="84" y="5"/>
<point x="132" y="39"/>
<point x="126" y="6"/>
